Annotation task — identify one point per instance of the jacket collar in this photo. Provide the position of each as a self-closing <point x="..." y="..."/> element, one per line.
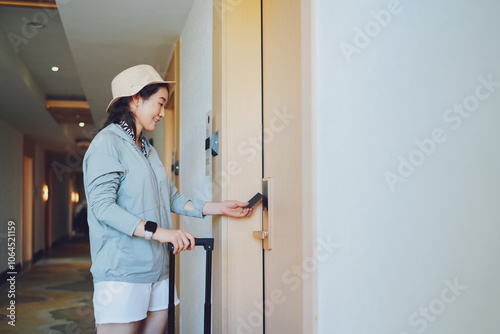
<point x="117" y="129"/>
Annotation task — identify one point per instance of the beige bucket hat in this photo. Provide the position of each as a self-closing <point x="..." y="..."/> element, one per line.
<point x="133" y="79"/>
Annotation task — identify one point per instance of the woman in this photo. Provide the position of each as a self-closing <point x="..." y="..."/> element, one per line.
<point x="129" y="200"/>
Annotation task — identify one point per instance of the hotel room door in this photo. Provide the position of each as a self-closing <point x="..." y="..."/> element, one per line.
<point x="256" y="109"/>
<point x="283" y="269"/>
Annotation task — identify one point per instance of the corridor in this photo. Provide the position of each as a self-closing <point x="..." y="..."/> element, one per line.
<point x="369" y="127"/>
<point x="55" y="296"/>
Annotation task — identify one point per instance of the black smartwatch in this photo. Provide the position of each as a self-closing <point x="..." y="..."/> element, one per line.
<point x="150" y="229"/>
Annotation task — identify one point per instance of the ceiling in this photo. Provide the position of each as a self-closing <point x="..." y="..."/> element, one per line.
<point x="90" y="41"/>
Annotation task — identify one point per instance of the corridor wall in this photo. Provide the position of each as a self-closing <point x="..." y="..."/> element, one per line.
<point x="408" y="169"/>
<point x="11" y="167"/>
<point x="60" y="201"/>
<point x="196" y="101"/>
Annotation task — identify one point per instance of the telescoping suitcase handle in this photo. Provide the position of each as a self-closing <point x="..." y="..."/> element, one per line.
<point x="208" y="244"/>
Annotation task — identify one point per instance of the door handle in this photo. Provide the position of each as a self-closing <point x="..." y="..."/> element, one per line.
<point x="260" y="234"/>
<point x="267" y="222"/>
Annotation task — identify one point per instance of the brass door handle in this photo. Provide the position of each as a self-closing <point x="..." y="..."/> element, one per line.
<point x="266" y="234"/>
<point x="260" y="234"/>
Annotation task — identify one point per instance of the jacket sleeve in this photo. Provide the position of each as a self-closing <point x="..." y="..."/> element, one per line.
<point x="102" y="172"/>
<point x="178" y="201"/>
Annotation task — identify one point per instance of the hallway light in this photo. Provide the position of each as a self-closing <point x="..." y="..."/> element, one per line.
<point x="55" y="68"/>
<point x="81" y="124"/>
<point x="75" y="197"/>
<point x="45" y="193"/>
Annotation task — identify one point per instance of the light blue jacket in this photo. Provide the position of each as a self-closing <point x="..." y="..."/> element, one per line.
<point x="124" y="187"/>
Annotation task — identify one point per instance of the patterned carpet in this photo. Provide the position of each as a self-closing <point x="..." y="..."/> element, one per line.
<point x="55" y="296"/>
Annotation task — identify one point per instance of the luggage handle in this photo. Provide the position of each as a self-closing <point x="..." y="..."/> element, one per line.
<point x="208" y="245"/>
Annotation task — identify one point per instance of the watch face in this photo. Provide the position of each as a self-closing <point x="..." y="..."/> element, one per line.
<point x="150" y="226"/>
<point x="148" y="235"/>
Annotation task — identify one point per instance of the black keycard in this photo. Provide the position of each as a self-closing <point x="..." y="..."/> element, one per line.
<point x="254" y="200"/>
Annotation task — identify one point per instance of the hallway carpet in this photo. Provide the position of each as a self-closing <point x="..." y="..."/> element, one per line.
<point x="55" y="296"/>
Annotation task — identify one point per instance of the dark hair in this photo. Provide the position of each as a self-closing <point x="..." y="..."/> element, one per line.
<point x="120" y="109"/>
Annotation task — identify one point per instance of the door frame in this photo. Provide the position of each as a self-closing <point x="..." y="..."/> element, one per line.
<point x="235" y="90"/>
<point x="172" y="125"/>
<point x="309" y="154"/>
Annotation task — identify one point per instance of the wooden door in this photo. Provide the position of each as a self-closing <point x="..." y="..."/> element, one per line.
<point x="284" y="269"/>
<point x="237" y="170"/>
<point x="257" y="101"/>
<point x="27" y="223"/>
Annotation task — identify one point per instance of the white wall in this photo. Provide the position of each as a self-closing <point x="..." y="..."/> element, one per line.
<point x="196" y="100"/>
<point x="11" y="179"/>
<point x="11" y="167"/>
<point x="400" y="248"/>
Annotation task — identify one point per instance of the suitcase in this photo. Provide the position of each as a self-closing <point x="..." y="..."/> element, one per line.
<point x="208" y="244"/>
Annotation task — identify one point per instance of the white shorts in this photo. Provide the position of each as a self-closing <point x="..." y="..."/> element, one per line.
<point x="123" y="302"/>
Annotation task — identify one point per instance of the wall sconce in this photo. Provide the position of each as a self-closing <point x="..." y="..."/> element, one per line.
<point x="45" y="193"/>
<point x="75" y="197"/>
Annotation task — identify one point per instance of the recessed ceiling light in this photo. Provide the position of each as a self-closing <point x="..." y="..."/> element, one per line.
<point x="81" y="124"/>
<point x="55" y="68"/>
<point x="35" y="25"/>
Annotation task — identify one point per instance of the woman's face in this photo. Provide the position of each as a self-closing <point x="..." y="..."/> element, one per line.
<point x="148" y="113"/>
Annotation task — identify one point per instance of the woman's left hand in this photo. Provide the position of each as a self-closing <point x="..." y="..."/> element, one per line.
<point x="235" y="209"/>
<point x="231" y="208"/>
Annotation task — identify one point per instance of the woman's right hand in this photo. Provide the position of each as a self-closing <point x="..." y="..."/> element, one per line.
<point x="180" y="239"/>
